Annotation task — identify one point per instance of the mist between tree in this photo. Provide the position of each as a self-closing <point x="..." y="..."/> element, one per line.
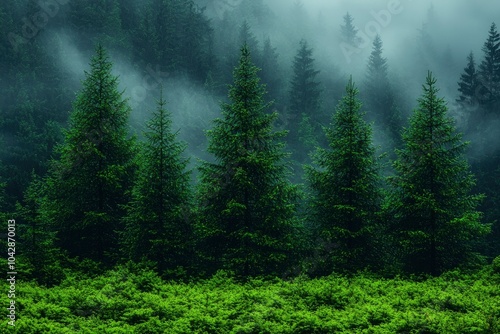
<point x="263" y="138"/>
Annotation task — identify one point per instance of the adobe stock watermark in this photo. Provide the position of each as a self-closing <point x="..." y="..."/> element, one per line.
<point x="381" y="19"/>
<point x="33" y="24"/>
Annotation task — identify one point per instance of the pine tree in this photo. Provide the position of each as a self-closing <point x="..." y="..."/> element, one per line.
<point x="489" y="69"/>
<point x="246" y="204"/>
<point x="271" y="74"/>
<point x="379" y="96"/>
<point x="247" y="37"/>
<point x="469" y="83"/>
<point x="158" y="226"/>
<point x="349" y="32"/>
<point x="87" y="186"/>
<point x="40" y="256"/>
<point x="345" y="187"/>
<point x="434" y="215"/>
<point x="304" y="108"/>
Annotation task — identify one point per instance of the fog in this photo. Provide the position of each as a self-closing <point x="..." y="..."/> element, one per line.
<point x="455" y="27"/>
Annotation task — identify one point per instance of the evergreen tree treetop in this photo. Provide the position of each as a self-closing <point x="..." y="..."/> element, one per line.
<point x="88" y="184"/>
<point x="377" y="65"/>
<point x="305" y="91"/>
<point x="247" y="204"/>
<point x="349" y="31"/>
<point x="345" y="185"/>
<point x="304" y="117"/>
<point x="158" y="225"/>
<point x="435" y="215"/>
<point x="489" y="68"/>
<point x="469" y="83"/>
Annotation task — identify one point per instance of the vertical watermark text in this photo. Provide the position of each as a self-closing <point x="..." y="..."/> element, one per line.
<point x="11" y="271"/>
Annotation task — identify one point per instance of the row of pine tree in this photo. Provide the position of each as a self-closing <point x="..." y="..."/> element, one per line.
<point x="92" y="192"/>
<point x="108" y="199"/>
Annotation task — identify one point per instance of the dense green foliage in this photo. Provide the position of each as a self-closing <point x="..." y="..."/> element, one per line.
<point x="158" y="220"/>
<point x="435" y="218"/>
<point x="346" y="188"/>
<point x="469" y="83"/>
<point x="115" y="234"/>
<point x="379" y="96"/>
<point x="247" y="206"/>
<point x="304" y="117"/>
<point x="489" y="70"/>
<point x="87" y="186"/>
<point x="130" y="300"/>
<point x="175" y="36"/>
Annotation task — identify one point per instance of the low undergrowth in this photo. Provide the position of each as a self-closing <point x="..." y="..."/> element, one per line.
<point x="128" y="301"/>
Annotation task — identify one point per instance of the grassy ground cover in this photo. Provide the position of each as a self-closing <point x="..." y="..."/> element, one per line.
<point x="127" y="301"/>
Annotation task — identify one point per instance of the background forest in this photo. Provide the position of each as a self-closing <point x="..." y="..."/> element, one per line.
<point x="268" y="150"/>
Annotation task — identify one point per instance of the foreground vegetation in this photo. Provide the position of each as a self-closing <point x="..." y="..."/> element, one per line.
<point x="130" y="300"/>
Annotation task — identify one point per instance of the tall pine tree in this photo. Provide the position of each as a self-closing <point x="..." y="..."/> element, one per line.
<point x="246" y="204"/>
<point x="468" y="86"/>
<point x="304" y="117"/>
<point x="87" y="186"/>
<point x="40" y="256"/>
<point x="379" y="96"/>
<point x="349" y="32"/>
<point x="434" y="215"/>
<point x="271" y="75"/>
<point x="489" y="70"/>
<point x="158" y="225"/>
<point x="345" y="187"/>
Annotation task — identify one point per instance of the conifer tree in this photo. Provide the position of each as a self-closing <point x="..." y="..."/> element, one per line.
<point x="304" y="108"/>
<point x="270" y="74"/>
<point x="40" y="256"/>
<point x="158" y="226"/>
<point x="246" y="203"/>
<point x="349" y="32"/>
<point x="435" y="219"/>
<point x="489" y="69"/>
<point x="345" y="187"/>
<point x="247" y="37"/>
<point x="87" y="186"/>
<point x="379" y="97"/>
<point x="469" y="83"/>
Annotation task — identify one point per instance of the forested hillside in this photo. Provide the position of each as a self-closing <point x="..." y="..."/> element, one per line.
<point x="274" y="152"/>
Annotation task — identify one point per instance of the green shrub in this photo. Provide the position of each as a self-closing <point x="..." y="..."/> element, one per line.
<point x="496" y="265"/>
<point x="122" y="301"/>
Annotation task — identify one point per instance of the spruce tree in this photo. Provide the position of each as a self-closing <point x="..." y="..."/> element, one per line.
<point x="435" y="220"/>
<point x="379" y="96"/>
<point x="87" y="186"/>
<point x="247" y="205"/>
<point x="158" y="225"/>
<point x="345" y="187"/>
<point x="304" y="106"/>
<point x="349" y="32"/>
<point x="468" y="86"/>
<point x="247" y="37"/>
<point x="489" y="70"/>
<point x="271" y="75"/>
<point x="40" y="256"/>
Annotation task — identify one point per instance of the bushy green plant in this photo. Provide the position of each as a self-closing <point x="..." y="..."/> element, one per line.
<point x="496" y="265"/>
<point x="116" y="302"/>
